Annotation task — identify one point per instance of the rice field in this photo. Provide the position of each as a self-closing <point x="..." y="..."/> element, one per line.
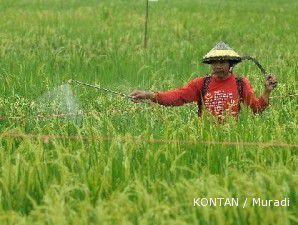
<point x="73" y="155"/>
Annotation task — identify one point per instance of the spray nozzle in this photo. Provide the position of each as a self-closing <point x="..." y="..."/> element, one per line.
<point x="98" y="88"/>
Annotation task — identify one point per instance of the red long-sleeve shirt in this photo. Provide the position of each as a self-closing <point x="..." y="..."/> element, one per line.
<point x="222" y="96"/>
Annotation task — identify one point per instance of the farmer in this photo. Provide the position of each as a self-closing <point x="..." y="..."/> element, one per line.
<point x="221" y="92"/>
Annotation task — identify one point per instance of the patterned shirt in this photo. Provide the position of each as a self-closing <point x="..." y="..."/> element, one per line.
<point x="221" y="97"/>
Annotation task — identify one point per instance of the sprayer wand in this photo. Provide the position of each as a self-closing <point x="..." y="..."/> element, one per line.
<point x="260" y="67"/>
<point x="98" y="88"/>
<point x="257" y="64"/>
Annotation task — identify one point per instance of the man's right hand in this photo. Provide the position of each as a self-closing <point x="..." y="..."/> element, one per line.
<point x="140" y="96"/>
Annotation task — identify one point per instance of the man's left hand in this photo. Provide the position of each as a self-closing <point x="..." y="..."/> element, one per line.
<point x="270" y="83"/>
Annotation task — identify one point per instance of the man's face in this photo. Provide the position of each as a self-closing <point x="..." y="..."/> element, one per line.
<point x="220" y="68"/>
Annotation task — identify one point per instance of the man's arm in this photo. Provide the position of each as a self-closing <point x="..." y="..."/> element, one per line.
<point x="270" y="84"/>
<point x="186" y="94"/>
<point x="258" y="105"/>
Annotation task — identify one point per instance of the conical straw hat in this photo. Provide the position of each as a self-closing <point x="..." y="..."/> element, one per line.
<point x="222" y="51"/>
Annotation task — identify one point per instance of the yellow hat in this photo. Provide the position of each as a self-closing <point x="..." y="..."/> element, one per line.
<point x="222" y="51"/>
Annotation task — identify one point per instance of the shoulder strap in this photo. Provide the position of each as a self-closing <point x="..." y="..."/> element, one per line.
<point x="205" y="85"/>
<point x="203" y="91"/>
<point x="240" y="85"/>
